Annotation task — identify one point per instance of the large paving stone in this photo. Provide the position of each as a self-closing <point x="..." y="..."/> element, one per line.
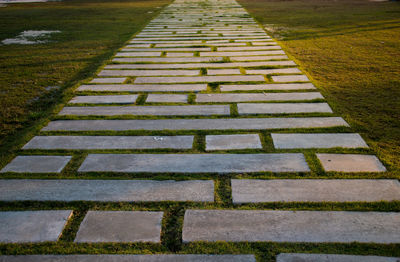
<point x="147" y="110"/>
<point x="166" y="98"/>
<point x="266" y="87"/>
<point x="226" y="142"/>
<point x="350" y="163"/>
<point x="149" y="73"/>
<point x="113" y="80"/>
<point x="318" y="140"/>
<point x="293" y="78"/>
<point x="179" y="49"/>
<point x="144" y="88"/>
<point x="109" y="99"/>
<point x="106" y="190"/>
<point x="258" y="58"/>
<point x="247" y="48"/>
<point x="194" y="163"/>
<point x="32" y="226"/>
<point x="129" y="258"/>
<point x="199" y="65"/>
<point x="297" y="257"/>
<point x="168" y="59"/>
<point x="223" y="72"/>
<point x="120" y="226"/>
<point x="243" y="97"/>
<point x="273" y="71"/>
<point x="109" y="142"/>
<point x="198" y="79"/>
<point x="314" y="190"/>
<point x="37" y="164"/>
<point x="179" y="54"/>
<point x="244" y="53"/>
<point x="127" y="54"/>
<point x="195" y="124"/>
<point x="291" y="226"/>
<point x="283" y="108"/>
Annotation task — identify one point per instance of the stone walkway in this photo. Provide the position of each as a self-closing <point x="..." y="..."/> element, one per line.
<point x="202" y="89"/>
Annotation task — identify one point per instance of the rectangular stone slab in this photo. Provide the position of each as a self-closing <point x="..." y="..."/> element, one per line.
<point x="297" y="257"/>
<point x="294" y="78"/>
<point x="291" y="226"/>
<point x="266" y="87"/>
<point x="199" y="65"/>
<point x="32" y="226"/>
<point x="247" y="48"/>
<point x="258" y="58"/>
<point x="109" y="142"/>
<point x="180" y="54"/>
<point x="248" y="53"/>
<point x="283" y="108"/>
<point x="195" y="124"/>
<point x="194" y="163"/>
<point x="128" y="54"/>
<point x="198" y="79"/>
<point x="350" y="163"/>
<point x="144" y="88"/>
<point x="314" y="190"/>
<point x="109" y="99"/>
<point x="318" y="141"/>
<point x="130" y="258"/>
<point x="226" y="142"/>
<point x="166" y="98"/>
<point x="120" y="226"/>
<point x="149" y="72"/>
<point x="179" y="49"/>
<point x="37" y="164"/>
<point x="223" y="72"/>
<point x="273" y="71"/>
<point x="113" y="80"/>
<point x="243" y="97"/>
<point x="168" y="59"/>
<point x="147" y="110"/>
<point x="106" y="190"/>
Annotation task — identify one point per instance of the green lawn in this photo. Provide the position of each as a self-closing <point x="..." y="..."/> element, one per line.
<point x="91" y="31"/>
<point x="351" y="50"/>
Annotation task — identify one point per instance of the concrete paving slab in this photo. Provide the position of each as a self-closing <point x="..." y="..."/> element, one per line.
<point x="179" y="54"/>
<point x="198" y="79"/>
<point x="37" y="164"/>
<point x="350" y="163"/>
<point x="244" y="53"/>
<point x="291" y="226"/>
<point x="314" y="190"/>
<point x="318" y="141"/>
<point x="223" y="72"/>
<point x="140" y="54"/>
<point x="194" y="163"/>
<point x="243" y="97"/>
<point x="202" y="110"/>
<point x="248" y="48"/>
<point x="297" y="257"/>
<point x="149" y="73"/>
<point x="112" y="80"/>
<point x="109" y="142"/>
<point x="227" y="142"/>
<point x="227" y="88"/>
<point x="130" y="258"/>
<point x="109" y="99"/>
<point x="283" y="108"/>
<point x="120" y="226"/>
<point x="273" y="71"/>
<point x="106" y="190"/>
<point x="294" y="78"/>
<point x="32" y="226"/>
<point x="195" y="124"/>
<point x="168" y="59"/>
<point x="144" y="88"/>
<point x="166" y="98"/>
<point x="258" y="58"/>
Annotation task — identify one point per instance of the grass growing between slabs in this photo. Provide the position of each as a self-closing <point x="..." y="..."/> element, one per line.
<point x="350" y="49"/>
<point x="91" y="31"/>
